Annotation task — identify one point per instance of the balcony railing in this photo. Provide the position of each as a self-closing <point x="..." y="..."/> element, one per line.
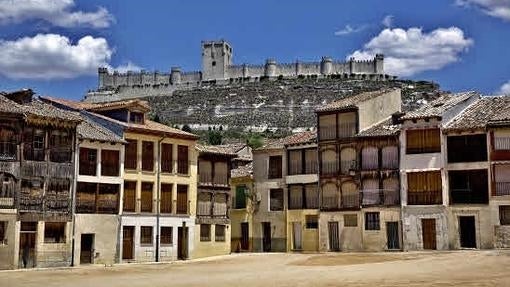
<point x="7" y="202"/>
<point x="207" y="179"/>
<point x="60" y="154"/>
<point x="347" y="201"/>
<point x="204" y="208"/>
<point x="348" y="165"/>
<point x="297" y="168"/>
<point x="390" y="163"/>
<point x="182" y="206"/>
<point x="468" y="196"/>
<point x="220" y="179"/>
<point x="329" y="168"/>
<point x="183" y="167"/>
<point x="424" y="197"/>
<point x="380" y="197"/>
<point x="328" y="133"/>
<point x="502" y="188"/>
<point x="57" y="203"/>
<point x="8" y="151"/>
<point x="346" y="129"/>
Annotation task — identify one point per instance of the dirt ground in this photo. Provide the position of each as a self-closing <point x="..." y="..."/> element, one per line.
<point x="459" y="268"/>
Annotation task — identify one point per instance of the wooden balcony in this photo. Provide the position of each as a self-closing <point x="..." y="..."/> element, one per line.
<point x="502" y="188"/>
<point x="10" y="167"/>
<point x="329" y="168"/>
<point x="8" y="151"/>
<point x="380" y="197"/>
<point x="347" y="166"/>
<point x="340" y="202"/>
<point x="424" y="197"/>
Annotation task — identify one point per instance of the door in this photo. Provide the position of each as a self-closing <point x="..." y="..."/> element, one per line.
<point x="128" y="234"/>
<point x="429" y="233"/>
<point x="266" y="236"/>
<point x="87" y="249"/>
<point x="245" y="236"/>
<point x="297" y="236"/>
<point x="334" y="243"/>
<point x="27" y="239"/>
<point x="467" y="231"/>
<point x="392" y="235"/>
<point x="182" y="243"/>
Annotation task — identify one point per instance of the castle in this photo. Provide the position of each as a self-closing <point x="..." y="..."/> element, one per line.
<point x="218" y="69"/>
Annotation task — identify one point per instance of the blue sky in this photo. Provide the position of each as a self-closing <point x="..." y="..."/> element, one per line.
<point x="55" y="49"/>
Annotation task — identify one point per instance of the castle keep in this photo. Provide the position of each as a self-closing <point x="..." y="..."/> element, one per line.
<point x="217" y="68"/>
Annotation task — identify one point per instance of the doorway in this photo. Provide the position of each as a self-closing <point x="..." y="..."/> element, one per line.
<point x="297" y="236"/>
<point x="128" y="234"/>
<point x="266" y="236"/>
<point x="245" y="236"/>
<point x="392" y="235"/>
<point x="429" y="233"/>
<point x="87" y="249"/>
<point x="334" y="242"/>
<point x="182" y="243"/>
<point x="27" y="241"/>
<point x="467" y="229"/>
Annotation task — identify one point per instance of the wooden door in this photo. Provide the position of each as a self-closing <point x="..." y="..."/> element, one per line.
<point x="266" y="236"/>
<point x="297" y="236"/>
<point x="429" y="233"/>
<point x="245" y="236"/>
<point x="182" y="243"/>
<point x="87" y="248"/>
<point x="128" y="242"/>
<point x="334" y="242"/>
<point x="27" y="239"/>
<point x="392" y="235"/>
<point x="467" y="229"/>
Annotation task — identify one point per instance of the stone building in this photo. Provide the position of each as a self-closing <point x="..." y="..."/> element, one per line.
<point x="37" y="159"/>
<point x="242" y="208"/>
<point x="358" y="172"/>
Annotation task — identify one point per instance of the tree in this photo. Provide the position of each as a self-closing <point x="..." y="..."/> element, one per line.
<point x="214" y="137"/>
<point x="186" y="128"/>
<point x="254" y="141"/>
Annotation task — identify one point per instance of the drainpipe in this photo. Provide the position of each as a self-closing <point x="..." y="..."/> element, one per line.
<point x="158" y="183"/>
<point x="73" y="198"/>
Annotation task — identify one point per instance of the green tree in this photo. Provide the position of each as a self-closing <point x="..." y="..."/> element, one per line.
<point x="214" y="137"/>
<point x="255" y="140"/>
<point x="186" y="128"/>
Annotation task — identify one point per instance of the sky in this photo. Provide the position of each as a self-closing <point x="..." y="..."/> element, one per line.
<point x="56" y="46"/>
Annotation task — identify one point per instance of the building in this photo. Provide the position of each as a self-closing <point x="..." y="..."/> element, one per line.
<point x="243" y="206"/>
<point x="37" y="159"/>
<point x="158" y="205"/>
<point x="213" y="201"/>
<point x="358" y="172"/>
<point x="218" y="68"/>
<point x="424" y="168"/>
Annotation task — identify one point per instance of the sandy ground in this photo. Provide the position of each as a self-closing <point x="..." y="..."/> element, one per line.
<point x="459" y="268"/>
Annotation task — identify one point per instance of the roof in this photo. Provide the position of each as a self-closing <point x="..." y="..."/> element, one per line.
<point x="8" y="106"/>
<point x="485" y="111"/>
<point x="216" y="149"/>
<point x="384" y="128"/>
<point x="439" y="106"/>
<point x="140" y="104"/>
<point x="242" y="171"/>
<point x="41" y="109"/>
<point x="89" y="129"/>
<point x="352" y="101"/>
<point x="297" y="138"/>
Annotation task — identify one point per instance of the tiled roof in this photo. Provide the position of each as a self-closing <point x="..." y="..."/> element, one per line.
<point x="298" y="138"/>
<point x="41" y="109"/>
<point x="384" y="128"/>
<point x="439" y="106"/>
<point x="8" y="106"/>
<point x="486" y="110"/>
<point x="101" y="106"/>
<point x="89" y="129"/>
<point x="352" y="101"/>
<point x="242" y="171"/>
<point x="216" y="149"/>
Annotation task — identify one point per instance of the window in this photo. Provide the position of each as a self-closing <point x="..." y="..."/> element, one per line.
<point x="504" y="214"/>
<point x="295" y="162"/>
<point x="372" y="221"/>
<point x="3" y="232"/>
<point x="327" y="127"/>
<point x="182" y="159"/>
<point x="471" y="148"/>
<point x="57" y="196"/>
<point x="312" y="196"/>
<point x="166" y="158"/>
<point x="147" y="156"/>
<point x="240" y="197"/>
<point x="129" y="196"/>
<point x="370" y="158"/>
<point x="54" y="232"/>
<point x="166" y="198"/>
<point x="276" y="199"/>
<point x="312" y="222"/>
<point x="311" y="164"/>
<point x="60" y="146"/>
<point x="205" y="232"/>
<point x="136" y="117"/>
<point x="424" y="188"/>
<point x="7" y="144"/>
<point x="146" y="200"/>
<point x="108" y="198"/>
<point x="130" y="158"/>
<point x="350" y="220"/>
<point x="501" y="142"/>
<point x="146" y="235"/>
<point x="219" y="233"/>
<point x="468" y="186"/>
<point x="34" y="144"/>
<point x="88" y="161"/>
<point x="166" y="235"/>
<point x="182" y="199"/>
<point x="110" y="162"/>
<point x="423" y="141"/>
<point x="275" y="167"/>
<point x="295" y="197"/>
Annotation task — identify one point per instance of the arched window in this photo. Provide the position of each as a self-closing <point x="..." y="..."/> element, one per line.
<point x="390" y="157"/>
<point x="329" y="162"/>
<point x="329" y="196"/>
<point x="350" y="195"/>
<point x="371" y="192"/>
<point x="370" y="158"/>
<point x="347" y="160"/>
<point x="391" y="188"/>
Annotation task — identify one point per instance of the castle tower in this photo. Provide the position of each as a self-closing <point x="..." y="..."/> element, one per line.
<point x="102" y="73"/>
<point x="379" y="64"/>
<point x="216" y="57"/>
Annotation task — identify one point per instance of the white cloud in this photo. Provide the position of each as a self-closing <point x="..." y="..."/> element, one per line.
<point x="49" y="56"/>
<point x="411" y="51"/>
<point x="348" y="29"/>
<point x="495" y="8"/>
<point x="129" y="66"/>
<point x="56" y="12"/>
<point x="505" y="89"/>
<point x="387" y="21"/>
